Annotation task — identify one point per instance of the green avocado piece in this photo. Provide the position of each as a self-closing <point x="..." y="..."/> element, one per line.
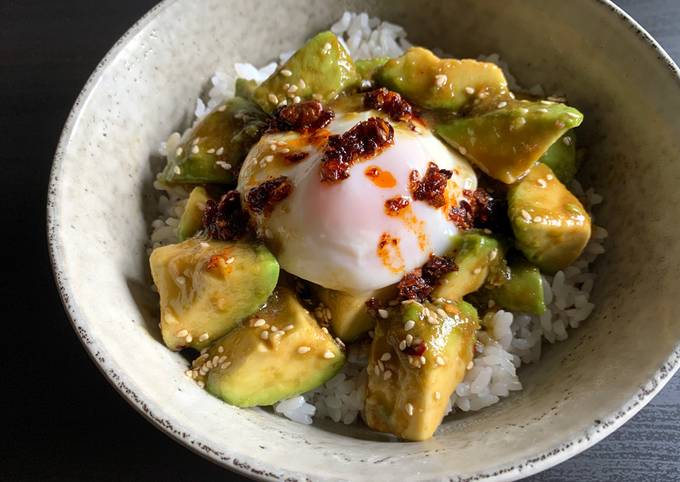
<point x="245" y="88"/>
<point x="247" y="368"/>
<point x="412" y="373"/>
<point x="217" y="145"/>
<point x="550" y="224"/>
<point x="367" y="68"/>
<point x="191" y="220"/>
<point x="349" y="315"/>
<point x="507" y="141"/>
<point x="478" y="257"/>
<point x="321" y="69"/>
<point x="207" y="287"/>
<point x="522" y="292"/>
<point x="434" y="83"/>
<point x="561" y="157"/>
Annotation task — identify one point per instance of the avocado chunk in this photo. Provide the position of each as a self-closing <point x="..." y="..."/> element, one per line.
<point x="349" y="314"/>
<point x="550" y="224"/>
<point x="561" y="157"/>
<point x="434" y="83"/>
<point x="506" y="141"/>
<point x="207" y="287"/>
<point x="245" y="88"/>
<point x="366" y="68"/>
<point x="321" y="69"/>
<point x="478" y="257"/>
<point x="522" y="292"/>
<point x="412" y="373"/>
<point x="217" y="145"/>
<point x="191" y="220"/>
<point x="262" y="362"/>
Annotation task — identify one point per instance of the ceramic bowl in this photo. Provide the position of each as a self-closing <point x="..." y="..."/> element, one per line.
<point x="101" y="203"/>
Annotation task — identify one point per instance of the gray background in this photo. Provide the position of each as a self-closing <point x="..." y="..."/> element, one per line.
<point x="61" y="419"/>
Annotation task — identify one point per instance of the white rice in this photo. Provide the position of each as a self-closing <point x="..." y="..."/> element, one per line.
<point x="509" y="340"/>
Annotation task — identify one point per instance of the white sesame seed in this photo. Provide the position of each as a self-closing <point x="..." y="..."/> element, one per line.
<point x="189" y="373"/>
<point x="177" y="170"/>
<point x="273" y="99"/>
<point x="502" y="104"/>
<point x="566" y="141"/>
<point x="542" y="183"/>
<point x="288" y="327"/>
<point x="201" y="383"/>
<point x="226" y="365"/>
<point x="274" y="329"/>
<point x="409" y="325"/>
<point x="462" y="150"/>
<point x="423" y="360"/>
<point x="296" y="99"/>
<point x="381" y="365"/>
<point x="292" y="89"/>
<point x="409" y="339"/>
<point x="550" y="177"/>
<point x="387" y="375"/>
<point x="326" y="48"/>
<point x="477" y="270"/>
<point x="264" y="335"/>
<point x="409" y="409"/>
<point x="182" y="333"/>
<point x="470" y="365"/>
<point x="179" y="151"/>
<point x="222" y="108"/>
<point x="303" y="349"/>
<point x="328" y="355"/>
<point x="211" y="151"/>
<point x="469" y="90"/>
<point x="538" y="219"/>
<point x="376" y="370"/>
<point x="189" y="339"/>
<point x="286" y="73"/>
<point x="203" y="337"/>
<point x="220" y="151"/>
<point x="195" y="150"/>
<point x="268" y="158"/>
<point x="302" y="83"/>
<point x="220" y="349"/>
<point x="224" y="165"/>
<point x="386" y="356"/>
<point x="195" y="141"/>
<point x="229" y="260"/>
<point x="437" y="395"/>
<point x="440" y="361"/>
<point x="259" y="322"/>
<point x="525" y="214"/>
<point x="441" y="80"/>
<point x="383" y="313"/>
<point x="339" y="342"/>
<point x="402" y="345"/>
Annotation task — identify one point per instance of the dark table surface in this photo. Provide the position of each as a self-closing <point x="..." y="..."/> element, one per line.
<point x="62" y="419"/>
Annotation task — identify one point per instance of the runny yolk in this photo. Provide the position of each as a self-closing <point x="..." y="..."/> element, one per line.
<point x="380" y="178"/>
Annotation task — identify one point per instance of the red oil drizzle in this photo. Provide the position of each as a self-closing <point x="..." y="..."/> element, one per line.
<point x="380" y="178"/>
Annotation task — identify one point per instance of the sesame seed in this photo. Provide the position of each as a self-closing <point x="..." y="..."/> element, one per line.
<point x="302" y="83"/>
<point x="477" y="270"/>
<point x="211" y="151"/>
<point x="220" y="349"/>
<point x="538" y="219"/>
<point x="303" y="349"/>
<point x="229" y="260"/>
<point x="224" y="165"/>
<point x="296" y="99"/>
<point x="182" y="333"/>
<point x="179" y="151"/>
<point x="440" y="361"/>
<point x="409" y="339"/>
<point x="381" y="365"/>
<point x="525" y="214"/>
<point x="566" y="141"/>
<point x="189" y="373"/>
<point x="288" y="327"/>
<point x="491" y="303"/>
<point x="222" y="108"/>
<point x="326" y="48"/>
<point x="339" y="342"/>
<point x="550" y="177"/>
<point x="376" y="370"/>
<point x="264" y="335"/>
<point x="542" y="183"/>
<point x="204" y="245"/>
<point x="274" y="329"/>
<point x="383" y="313"/>
<point x="273" y="146"/>
<point x="469" y="90"/>
<point x="203" y="337"/>
<point x="402" y="345"/>
<point x="292" y="89"/>
<point x="195" y="150"/>
<point x="273" y="99"/>
<point x="286" y="73"/>
<point x="462" y="150"/>
<point x="268" y="158"/>
<point x="387" y="375"/>
<point x="285" y="150"/>
<point x="437" y="395"/>
<point x="409" y="324"/>
<point x="409" y="409"/>
<point x="524" y="110"/>
<point x="325" y="330"/>
<point x="328" y="355"/>
<point x="224" y="366"/>
<point x="386" y="356"/>
<point x="201" y="383"/>
<point x="195" y="141"/>
<point x="189" y="339"/>
<point x="502" y="104"/>
<point x="470" y="365"/>
<point x="259" y="322"/>
<point x="440" y="80"/>
<point x="220" y="151"/>
<point x="423" y="360"/>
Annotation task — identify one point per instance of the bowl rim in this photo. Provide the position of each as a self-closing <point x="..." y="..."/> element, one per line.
<point x="259" y="469"/>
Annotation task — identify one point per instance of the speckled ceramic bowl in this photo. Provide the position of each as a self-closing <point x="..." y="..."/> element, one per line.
<point x="101" y="203"/>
